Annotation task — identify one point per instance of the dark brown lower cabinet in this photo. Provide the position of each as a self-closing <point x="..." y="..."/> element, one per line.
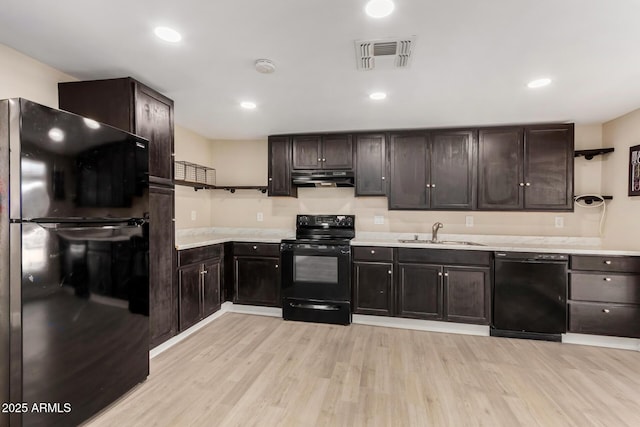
<point x="199" y="284"/>
<point x="604" y="295"/>
<point x="467" y="294"/>
<point x="373" y="288"/>
<point x="420" y="291"/>
<point x="257" y="280"/>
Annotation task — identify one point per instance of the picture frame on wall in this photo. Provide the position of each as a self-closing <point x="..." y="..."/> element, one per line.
<point x="634" y="171"/>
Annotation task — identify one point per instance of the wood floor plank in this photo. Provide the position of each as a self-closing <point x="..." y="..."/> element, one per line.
<point x="244" y="370"/>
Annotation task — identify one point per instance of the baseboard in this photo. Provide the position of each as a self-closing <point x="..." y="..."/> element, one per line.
<point x="255" y="309"/>
<point x="602" y="341"/>
<point x="421" y="325"/>
<point x="224" y="308"/>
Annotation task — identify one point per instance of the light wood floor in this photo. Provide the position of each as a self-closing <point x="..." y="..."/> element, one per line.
<point x="245" y="370"/>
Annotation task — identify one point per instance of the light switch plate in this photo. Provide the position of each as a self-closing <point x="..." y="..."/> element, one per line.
<point x="559" y="222"/>
<point x="260" y="217"/>
<point x="378" y="219"/>
<point x="468" y="221"/>
<point x="194" y="215"/>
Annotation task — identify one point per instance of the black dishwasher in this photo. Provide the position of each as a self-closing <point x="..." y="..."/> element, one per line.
<point x="530" y="295"/>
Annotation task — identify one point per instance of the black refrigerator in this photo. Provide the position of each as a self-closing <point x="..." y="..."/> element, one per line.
<point x="74" y="275"/>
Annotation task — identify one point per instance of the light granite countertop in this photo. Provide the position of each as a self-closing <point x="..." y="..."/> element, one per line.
<point x="196" y="237"/>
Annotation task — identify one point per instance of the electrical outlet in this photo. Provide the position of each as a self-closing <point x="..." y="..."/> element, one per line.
<point x="260" y="217"/>
<point x="559" y="222"/>
<point x="468" y="221"/>
<point x="378" y="219"/>
<point x="194" y="215"/>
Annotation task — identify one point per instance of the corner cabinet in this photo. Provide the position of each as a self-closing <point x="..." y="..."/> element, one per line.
<point x="199" y="283"/>
<point x="279" y="180"/>
<point x="130" y="105"/>
<point x="528" y="168"/>
<point x="256" y="274"/>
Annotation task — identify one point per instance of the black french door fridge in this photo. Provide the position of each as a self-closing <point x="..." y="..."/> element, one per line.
<point x="74" y="276"/>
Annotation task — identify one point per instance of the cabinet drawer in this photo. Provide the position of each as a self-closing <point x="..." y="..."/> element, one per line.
<point x="372" y="253"/>
<point x="606" y="263"/>
<point x="604" y="319"/>
<point x="191" y="256"/>
<point x="444" y="256"/>
<point x="257" y="249"/>
<point x="618" y="288"/>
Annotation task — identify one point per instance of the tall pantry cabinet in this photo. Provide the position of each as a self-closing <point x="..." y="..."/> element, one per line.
<point x="129" y="105"/>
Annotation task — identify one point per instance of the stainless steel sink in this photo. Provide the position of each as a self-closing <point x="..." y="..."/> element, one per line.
<point x="441" y="242"/>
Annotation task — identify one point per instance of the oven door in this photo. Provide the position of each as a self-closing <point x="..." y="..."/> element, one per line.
<point x="316" y="271"/>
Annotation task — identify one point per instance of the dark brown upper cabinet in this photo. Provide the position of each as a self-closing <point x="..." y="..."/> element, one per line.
<point x="371" y="165"/>
<point x="322" y="152"/>
<point x="528" y="168"/>
<point x="279" y="181"/>
<point x="432" y="170"/>
<point x="129" y="105"/>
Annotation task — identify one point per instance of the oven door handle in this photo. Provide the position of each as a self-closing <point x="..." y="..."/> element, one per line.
<point x="326" y="307"/>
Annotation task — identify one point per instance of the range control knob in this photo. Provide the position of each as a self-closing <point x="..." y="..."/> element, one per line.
<point x="349" y="220"/>
<point x="303" y="220"/>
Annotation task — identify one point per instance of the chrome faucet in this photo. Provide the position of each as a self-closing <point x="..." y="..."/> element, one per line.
<point x="434" y="231"/>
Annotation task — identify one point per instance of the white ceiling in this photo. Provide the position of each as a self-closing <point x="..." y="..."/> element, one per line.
<point x="470" y="65"/>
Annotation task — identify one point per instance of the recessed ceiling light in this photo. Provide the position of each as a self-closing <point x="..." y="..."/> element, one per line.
<point x="378" y="96"/>
<point x="168" y="34"/>
<point x="248" y="105"/>
<point x="91" y="123"/>
<point x="534" y="84"/>
<point x="56" y="134"/>
<point x="379" y="8"/>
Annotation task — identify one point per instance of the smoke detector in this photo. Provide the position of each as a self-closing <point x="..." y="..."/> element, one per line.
<point x="385" y="53"/>
<point x="265" y="66"/>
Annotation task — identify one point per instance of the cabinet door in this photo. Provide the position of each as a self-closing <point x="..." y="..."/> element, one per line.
<point x="211" y="280"/>
<point x="500" y="175"/>
<point x="548" y="168"/>
<point x="307" y="152"/>
<point x="409" y="171"/>
<point x="371" y="165"/>
<point x="279" y="183"/>
<point x="420" y="291"/>
<point x="337" y="152"/>
<point x="162" y="292"/>
<point x="467" y="295"/>
<point x="452" y="169"/>
<point x="154" y="121"/>
<point x="257" y="281"/>
<point x="373" y="288"/>
<point x="189" y="279"/>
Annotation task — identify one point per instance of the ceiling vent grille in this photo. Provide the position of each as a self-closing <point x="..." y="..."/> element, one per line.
<point x="380" y="54"/>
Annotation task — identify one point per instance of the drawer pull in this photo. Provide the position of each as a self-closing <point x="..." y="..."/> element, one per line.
<point x="276" y="265"/>
<point x="255" y="247"/>
<point x="372" y="251"/>
<point x="606" y="310"/>
<point x="607" y="279"/>
<point x="440" y="274"/>
<point x="607" y="262"/>
<point x="390" y="272"/>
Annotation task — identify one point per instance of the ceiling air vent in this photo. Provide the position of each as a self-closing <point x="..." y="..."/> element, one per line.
<point x="384" y="54"/>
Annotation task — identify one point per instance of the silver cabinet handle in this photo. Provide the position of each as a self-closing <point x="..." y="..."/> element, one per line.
<point x="390" y="272"/>
<point x="428" y="185"/>
<point x="372" y="251"/>
<point x="522" y="184"/>
<point x="204" y="272"/>
<point x="319" y="159"/>
<point x="255" y="247"/>
<point x="324" y="160"/>
<point x="607" y="262"/>
<point x="446" y="274"/>
<point x="276" y="265"/>
<point x="439" y="274"/>
<point x="383" y="178"/>
<point x="433" y="186"/>
<point x="528" y="184"/>
<point x="607" y="279"/>
<point x="606" y="310"/>
<point x="270" y="179"/>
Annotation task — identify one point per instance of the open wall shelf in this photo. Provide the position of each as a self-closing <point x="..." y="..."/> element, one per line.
<point x="590" y="154"/>
<point x="232" y="189"/>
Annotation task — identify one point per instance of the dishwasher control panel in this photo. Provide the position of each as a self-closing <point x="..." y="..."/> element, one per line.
<point x="532" y="256"/>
